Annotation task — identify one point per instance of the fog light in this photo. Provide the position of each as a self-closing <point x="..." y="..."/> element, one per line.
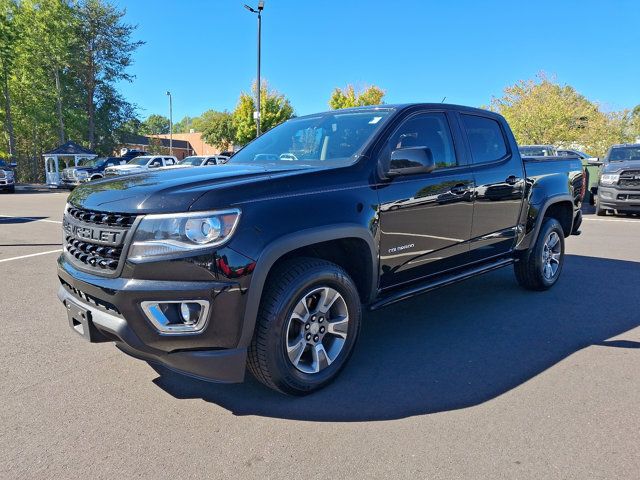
<point x="176" y="317"/>
<point x="190" y="312"/>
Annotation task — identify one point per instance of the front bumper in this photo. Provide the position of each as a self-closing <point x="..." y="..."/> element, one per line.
<point x="619" y="199"/>
<point x="115" y="314"/>
<point x="7" y="184"/>
<point x="72" y="183"/>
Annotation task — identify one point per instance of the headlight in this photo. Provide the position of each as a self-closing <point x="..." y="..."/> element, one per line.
<point x="173" y="234"/>
<point x="609" y="179"/>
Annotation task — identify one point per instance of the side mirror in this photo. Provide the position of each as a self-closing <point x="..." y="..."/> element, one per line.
<point x="13" y="164"/>
<point x="594" y="161"/>
<point x="410" y="161"/>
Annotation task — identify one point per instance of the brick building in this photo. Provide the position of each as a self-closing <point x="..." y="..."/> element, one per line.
<point x="184" y="144"/>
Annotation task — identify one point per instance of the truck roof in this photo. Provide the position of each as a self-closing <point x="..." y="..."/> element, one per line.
<point x="404" y="106"/>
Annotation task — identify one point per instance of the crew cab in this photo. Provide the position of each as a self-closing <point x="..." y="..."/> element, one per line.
<point x="618" y="189"/>
<point x="7" y="177"/>
<point x="141" y="164"/>
<point x="269" y="260"/>
<point x="202" y="160"/>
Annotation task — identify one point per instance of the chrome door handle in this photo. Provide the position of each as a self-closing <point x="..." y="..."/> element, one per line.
<point x="512" y="180"/>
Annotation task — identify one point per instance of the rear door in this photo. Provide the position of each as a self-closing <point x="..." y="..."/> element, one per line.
<point x="499" y="180"/>
<point x="425" y="219"/>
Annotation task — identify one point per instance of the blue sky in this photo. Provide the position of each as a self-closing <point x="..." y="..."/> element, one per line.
<point x="205" y="51"/>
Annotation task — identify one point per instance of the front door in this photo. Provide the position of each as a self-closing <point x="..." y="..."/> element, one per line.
<point x="425" y="219"/>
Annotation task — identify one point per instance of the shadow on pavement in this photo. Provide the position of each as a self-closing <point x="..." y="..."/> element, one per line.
<point x="453" y="348"/>
<point x="18" y="220"/>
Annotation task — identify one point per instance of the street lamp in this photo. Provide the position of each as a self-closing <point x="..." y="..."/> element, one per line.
<point x="259" y="12"/>
<point x="170" y="123"/>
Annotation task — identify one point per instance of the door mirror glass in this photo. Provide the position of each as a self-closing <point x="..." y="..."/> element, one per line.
<point x="410" y="161"/>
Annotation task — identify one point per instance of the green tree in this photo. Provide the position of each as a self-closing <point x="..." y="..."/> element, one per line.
<point x="154" y="125"/>
<point x="219" y="130"/>
<point x="8" y="38"/>
<point x="184" y="125"/>
<point x="50" y="36"/>
<point x="107" y="49"/>
<point x="275" y="108"/>
<point x="348" y="97"/>
<point x="542" y="111"/>
<point x="635" y="123"/>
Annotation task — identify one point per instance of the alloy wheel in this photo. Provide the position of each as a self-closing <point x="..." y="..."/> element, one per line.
<point x="317" y="330"/>
<point x="551" y="255"/>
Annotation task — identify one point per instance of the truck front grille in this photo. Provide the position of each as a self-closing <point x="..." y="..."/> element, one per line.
<point x="96" y="240"/>
<point x="630" y="179"/>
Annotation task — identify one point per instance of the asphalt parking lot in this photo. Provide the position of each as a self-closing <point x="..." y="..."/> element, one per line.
<point x="477" y="380"/>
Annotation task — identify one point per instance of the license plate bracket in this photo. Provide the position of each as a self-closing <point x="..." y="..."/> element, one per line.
<point x="80" y="322"/>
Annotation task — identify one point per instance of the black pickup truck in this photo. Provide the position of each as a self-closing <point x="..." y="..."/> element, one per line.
<point x="268" y="261"/>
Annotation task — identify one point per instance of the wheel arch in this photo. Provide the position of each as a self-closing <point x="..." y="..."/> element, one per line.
<point x="560" y="207"/>
<point x="304" y="243"/>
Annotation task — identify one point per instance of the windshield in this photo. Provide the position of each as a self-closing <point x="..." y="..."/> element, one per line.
<point x="139" y="161"/>
<point x="620" y="154"/>
<point x="90" y="162"/>
<point x="194" y="161"/>
<point x="329" y="139"/>
<point x="3" y="163"/>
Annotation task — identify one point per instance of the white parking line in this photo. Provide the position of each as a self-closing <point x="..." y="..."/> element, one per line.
<point x="30" y="255"/>
<point x="615" y="220"/>
<point x="34" y="219"/>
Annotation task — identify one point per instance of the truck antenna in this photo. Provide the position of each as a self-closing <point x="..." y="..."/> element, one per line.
<point x="443" y="99"/>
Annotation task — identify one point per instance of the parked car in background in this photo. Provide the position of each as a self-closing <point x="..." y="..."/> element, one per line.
<point x="141" y="165"/>
<point x="93" y="169"/>
<point x="618" y="188"/>
<point x="87" y="170"/>
<point x="7" y="177"/>
<point x="538" y="150"/>
<point x="269" y="260"/>
<point x="202" y="160"/>
<point x="591" y="167"/>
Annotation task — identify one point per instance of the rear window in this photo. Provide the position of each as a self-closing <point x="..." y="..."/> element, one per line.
<point x="485" y="138"/>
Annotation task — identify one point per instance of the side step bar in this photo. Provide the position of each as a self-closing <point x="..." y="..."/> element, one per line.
<point x="421" y="288"/>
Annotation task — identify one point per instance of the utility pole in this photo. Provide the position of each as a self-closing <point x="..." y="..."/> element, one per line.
<point x="170" y="123"/>
<point x="256" y="114"/>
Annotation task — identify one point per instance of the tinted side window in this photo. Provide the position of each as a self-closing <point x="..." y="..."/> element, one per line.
<point x="429" y="130"/>
<point x="485" y="138"/>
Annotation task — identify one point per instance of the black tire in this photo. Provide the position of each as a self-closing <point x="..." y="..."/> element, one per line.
<point x="601" y="212"/>
<point x="287" y="286"/>
<point x="530" y="267"/>
<point x="12" y="190"/>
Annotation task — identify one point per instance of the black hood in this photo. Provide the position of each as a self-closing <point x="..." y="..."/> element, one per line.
<point x="613" y="167"/>
<point x="171" y="190"/>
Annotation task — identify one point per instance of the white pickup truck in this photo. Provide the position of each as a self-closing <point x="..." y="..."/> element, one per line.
<point x="141" y="164"/>
<point x="203" y="160"/>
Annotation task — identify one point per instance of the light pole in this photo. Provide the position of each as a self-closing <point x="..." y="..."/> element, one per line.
<point x="259" y="12"/>
<point x="170" y="123"/>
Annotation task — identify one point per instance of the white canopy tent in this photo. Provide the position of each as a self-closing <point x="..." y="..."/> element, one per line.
<point x="64" y="156"/>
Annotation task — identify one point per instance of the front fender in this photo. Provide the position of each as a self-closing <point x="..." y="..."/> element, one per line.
<point x="283" y="245"/>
